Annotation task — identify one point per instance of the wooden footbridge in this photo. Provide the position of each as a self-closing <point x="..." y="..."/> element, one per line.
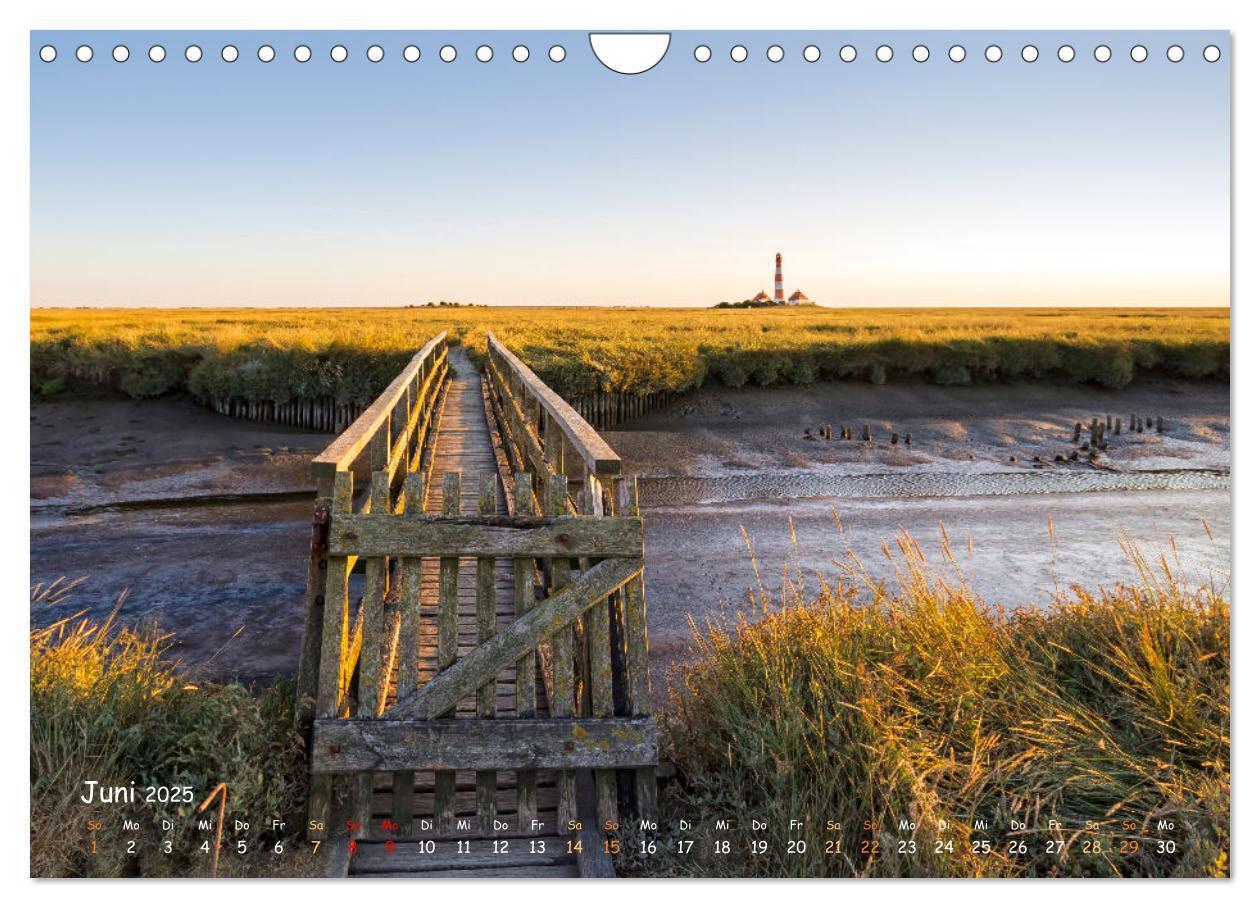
<point x="474" y="680"/>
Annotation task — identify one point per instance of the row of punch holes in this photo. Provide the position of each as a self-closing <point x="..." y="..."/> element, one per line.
<point x="775" y="53"/>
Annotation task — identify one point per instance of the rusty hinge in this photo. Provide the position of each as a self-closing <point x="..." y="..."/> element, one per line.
<point x="319" y="530"/>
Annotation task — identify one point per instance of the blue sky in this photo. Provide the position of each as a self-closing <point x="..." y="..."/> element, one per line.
<point x="898" y="183"/>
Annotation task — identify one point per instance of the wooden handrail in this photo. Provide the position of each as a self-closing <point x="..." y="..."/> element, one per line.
<point x="590" y="447"/>
<point x="346" y="447"/>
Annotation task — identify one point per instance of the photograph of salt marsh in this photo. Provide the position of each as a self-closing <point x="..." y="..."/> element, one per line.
<point x="829" y="429"/>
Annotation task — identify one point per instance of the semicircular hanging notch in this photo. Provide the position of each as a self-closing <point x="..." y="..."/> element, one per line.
<point x="629" y="53"/>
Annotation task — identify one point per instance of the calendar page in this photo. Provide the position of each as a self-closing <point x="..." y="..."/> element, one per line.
<point x="638" y="454"/>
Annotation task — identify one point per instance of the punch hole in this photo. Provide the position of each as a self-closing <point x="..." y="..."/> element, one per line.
<point x="157" y="53"/>
<point x="266" y="53"/>
<point x="920" y="53"/>
<point x="339" y="53"/>
<point x="83" y="53"/>
<point x="1138" y="54"/>
<point x="957" y="53"/>
<point x="229" y="53"/>
<point x="121" y="54"/>
<point x="703" y="54"/>
<point x="739" y="53"/>
<point x="848" y="53"/>
<point x="1102" y="53"/>
<point x="1211" y="53"/>
<point x="520" y="53"/>
<point x="1067" y="53"/>
<point x="556" y="54"/>
<point x="375" y="53"/>
<point x="812" y="54"/>
<point x="774" y="53"/>
<point x="48" y="53"/>
<point x="447" y="54"/>
<point x="485" y="53"/>
<point x="1030" y="53"/>
<point x="192" y="53"/>
<point x="1176" y="54"/>
<point x="411" y="53"/>
<point x="302" y="53"/>
<point x="993" y="53"/>
<point x="628" y="53"/>
<point x="883" y="53"/>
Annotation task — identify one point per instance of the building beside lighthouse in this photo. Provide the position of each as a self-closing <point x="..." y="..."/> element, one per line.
<point x="799" y="298"/>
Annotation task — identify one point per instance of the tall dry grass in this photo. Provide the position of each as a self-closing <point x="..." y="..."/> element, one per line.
<point x="107" y="705"/>
<point x="881" y="703"/>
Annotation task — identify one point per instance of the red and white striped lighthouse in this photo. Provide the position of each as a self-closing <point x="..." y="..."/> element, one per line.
<point x="778" y="277"/>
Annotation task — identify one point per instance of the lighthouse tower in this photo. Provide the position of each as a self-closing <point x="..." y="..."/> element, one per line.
<point x="778" y="278"/>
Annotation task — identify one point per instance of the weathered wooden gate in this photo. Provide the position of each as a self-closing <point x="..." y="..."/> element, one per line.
<point x="543" y="675"/>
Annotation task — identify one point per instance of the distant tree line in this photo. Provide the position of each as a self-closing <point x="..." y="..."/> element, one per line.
<point x="444" y="304"/>
<point x="748" y="304"/>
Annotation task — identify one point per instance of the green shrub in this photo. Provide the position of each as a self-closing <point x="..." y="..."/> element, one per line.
<point x="278" y="355"/>
<point x="952" y="374"/>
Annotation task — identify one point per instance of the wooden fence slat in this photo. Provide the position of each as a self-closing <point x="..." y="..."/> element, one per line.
<point x="634" y="603"/>
<point x="562" y="656"/>
<point x="600" y="648"/>
<point x="448" y="631"/>
<point x="526" y="694"/>
<point x="486" y="779"/>
<point x="372" y="648"/>
<point x="412" y="572"/>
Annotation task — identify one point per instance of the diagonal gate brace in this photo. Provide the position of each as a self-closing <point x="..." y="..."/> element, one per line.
<point x="522" y="636"/>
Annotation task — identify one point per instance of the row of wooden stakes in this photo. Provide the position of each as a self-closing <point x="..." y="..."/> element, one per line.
<point x="827" y="433"/>
<point x="1113" y="425"/>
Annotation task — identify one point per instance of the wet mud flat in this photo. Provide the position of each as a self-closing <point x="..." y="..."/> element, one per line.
<point x="227" y="581"/>
<point x="200" y="523"/>
<point x="204" y="520"/>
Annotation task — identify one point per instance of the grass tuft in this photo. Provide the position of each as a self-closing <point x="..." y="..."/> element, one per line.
<point x="106" y="705"/>
<point x="869" y="703"/>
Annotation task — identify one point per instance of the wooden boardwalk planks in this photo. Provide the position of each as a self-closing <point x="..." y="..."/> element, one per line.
<point x="445" y="807"/>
